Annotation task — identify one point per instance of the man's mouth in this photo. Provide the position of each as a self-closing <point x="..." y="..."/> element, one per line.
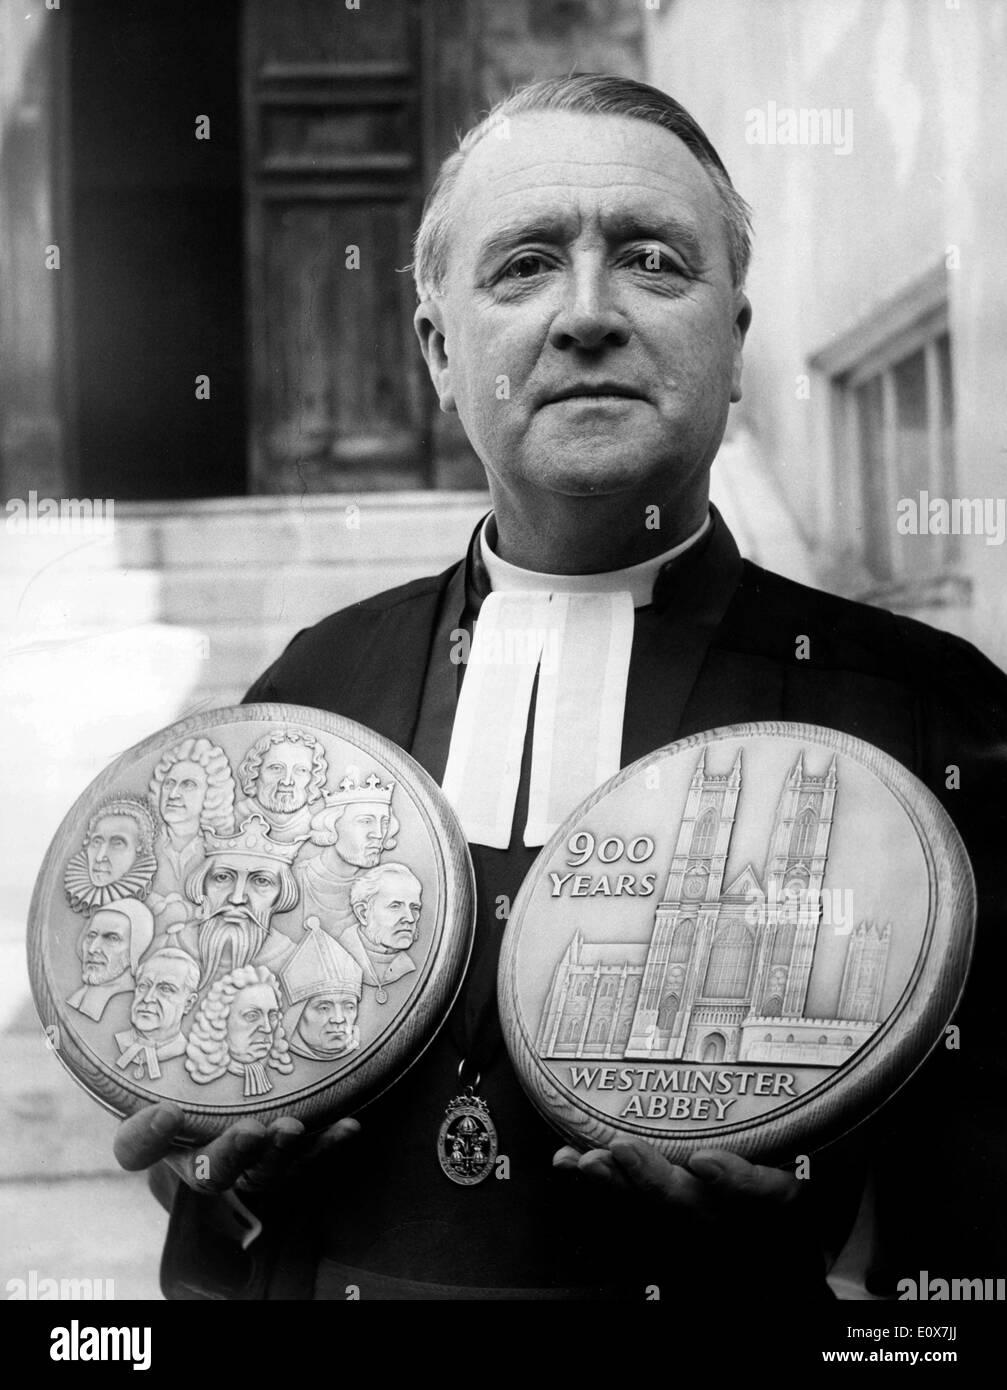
<point x="593" y="390"/>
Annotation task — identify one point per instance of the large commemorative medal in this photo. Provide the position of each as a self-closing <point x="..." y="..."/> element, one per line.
<point x="260" y="911"/>
<point x="747" y="940"/>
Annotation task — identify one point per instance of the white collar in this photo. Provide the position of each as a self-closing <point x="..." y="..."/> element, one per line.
<point x="638" y="580"/>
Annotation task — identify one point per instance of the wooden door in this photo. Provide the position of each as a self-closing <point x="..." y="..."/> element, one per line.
<point x="334" y="125"/>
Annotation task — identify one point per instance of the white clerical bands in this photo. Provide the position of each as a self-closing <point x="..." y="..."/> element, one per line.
<point x="580" y="646"/>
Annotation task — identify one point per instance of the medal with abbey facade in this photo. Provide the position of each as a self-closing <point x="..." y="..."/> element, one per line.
<point x="749" y="940"/>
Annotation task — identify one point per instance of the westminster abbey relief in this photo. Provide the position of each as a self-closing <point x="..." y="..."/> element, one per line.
<point x="725" y="975"/>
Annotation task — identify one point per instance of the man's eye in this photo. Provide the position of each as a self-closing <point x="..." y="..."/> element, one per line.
<point x="525" y="267"/>
<point x="655" y="260"/>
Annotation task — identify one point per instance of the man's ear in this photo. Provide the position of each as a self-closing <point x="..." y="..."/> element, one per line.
<point x="360" y="913"/>
<point x="743" y="318"/>
<point x="428" y="322"/>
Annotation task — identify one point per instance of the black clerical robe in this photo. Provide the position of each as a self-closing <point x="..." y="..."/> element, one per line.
<point x="723" y="642"/>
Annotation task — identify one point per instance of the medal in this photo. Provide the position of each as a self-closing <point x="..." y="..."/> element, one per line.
<point x="747" y="940"/>
<point x="160" y="989"/>
<point x="467" y="1139"/>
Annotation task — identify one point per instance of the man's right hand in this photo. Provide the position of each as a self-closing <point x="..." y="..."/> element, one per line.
<point x="248" y="1156"/>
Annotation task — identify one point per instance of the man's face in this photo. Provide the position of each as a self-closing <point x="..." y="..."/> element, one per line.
<point x="237" y="888"/>
<point x="252" y="1023"/>
<point x="589" y="335"/>
<point x="112" y="848"/>
<point x="183" y="792"/>
<point x="284" y="777"/>
<point x="161" y="999"/>
<point x="328" y="1022"/>
<point x="391" y="919"/>
<point x="105" y="947"/>
<point x="361" y="832"/>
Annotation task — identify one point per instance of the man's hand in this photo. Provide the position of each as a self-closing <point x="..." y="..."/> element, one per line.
<point x="248" y="1155"/>
<point x="713" y="1184"/>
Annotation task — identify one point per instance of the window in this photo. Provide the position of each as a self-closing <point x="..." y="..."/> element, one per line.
<point x="730" y="962"/>
<point x="893" y="418"/>
<point x="668" y="1011"/>
<point x="704" y="836"/>
<point x="804" y="833"/>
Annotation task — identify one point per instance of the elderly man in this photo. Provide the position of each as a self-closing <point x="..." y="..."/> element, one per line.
<point x="238" y="1031"/>
<point x="323" y="984"/>
<point x="386" y="903"/>
<point x="110" y="947"/>
<point x="245" y="879"/>
<point x="165" y="992"/>
<point x="580" y="269"/>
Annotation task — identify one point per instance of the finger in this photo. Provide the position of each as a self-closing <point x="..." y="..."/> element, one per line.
<point x="147" y="1136"/>
<point x="331" y="1139"/>
<point x="285" y="1138"/>
<point x="597" y="1165"/>
<point x="566" y="1159"/>
<point x="651" y="1174"/>
<point x="221" y="1163"/>
<point x="730" y="1178"/>
<point x="600" y="1166"/>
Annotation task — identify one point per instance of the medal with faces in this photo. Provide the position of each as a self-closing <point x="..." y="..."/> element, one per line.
<point x="258" y="911"/>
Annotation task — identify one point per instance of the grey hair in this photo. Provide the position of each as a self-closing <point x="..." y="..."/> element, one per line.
<point x="589" y="93"/>
<point x="364" y="888"/>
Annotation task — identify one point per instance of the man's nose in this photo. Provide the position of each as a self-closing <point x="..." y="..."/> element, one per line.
<point x="590" y="316"/>
<point x="237" y="893"/>
<point x="149" y="995"/>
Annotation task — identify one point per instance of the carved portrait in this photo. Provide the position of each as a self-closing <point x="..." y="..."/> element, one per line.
<point x="166" y="982"/>
<point x="282" y="777"/>
<point x="110" y="946"/>
<point x="351" y="832"/>
<point x="386" y="903"/>
<point x="192" y="787"/>
<point x="322" y="984"/>
<point x="116" y="859"/>
<point x="244" y="880"/>
<point x="238" y="1030"/>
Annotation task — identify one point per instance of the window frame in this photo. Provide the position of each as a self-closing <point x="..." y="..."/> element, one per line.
<point x="914" y="319"/>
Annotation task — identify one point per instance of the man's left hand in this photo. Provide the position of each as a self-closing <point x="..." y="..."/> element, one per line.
<point x="712" y="1184"/>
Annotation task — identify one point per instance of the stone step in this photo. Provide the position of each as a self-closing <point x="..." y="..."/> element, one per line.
<point x="416" y="526"/>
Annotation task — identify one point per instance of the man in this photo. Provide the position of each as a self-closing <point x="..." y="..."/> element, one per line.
<point x="192" y="787"/>
<point x="165" y="992"/>
<point x="322" y="983"/>
<point x="110" y="947"/>
<point x="238" y="1030"/>
<point x="353" y="830"/>
<point x="282" y="776"/>
<point x="245" y="880"/>
<point x="386" y="904"/>
<point x="580" y="270"/>
<point x="116" y="859"/>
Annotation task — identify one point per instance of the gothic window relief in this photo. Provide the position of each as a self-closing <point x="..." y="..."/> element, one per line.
<point x="730" y="962"/>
